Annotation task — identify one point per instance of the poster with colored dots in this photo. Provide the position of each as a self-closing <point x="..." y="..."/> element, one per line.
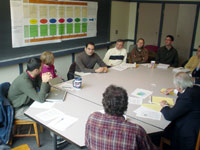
<point x="37" y="22"/>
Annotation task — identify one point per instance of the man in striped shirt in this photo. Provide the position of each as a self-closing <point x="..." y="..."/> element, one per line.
<point x="111" y="130"/>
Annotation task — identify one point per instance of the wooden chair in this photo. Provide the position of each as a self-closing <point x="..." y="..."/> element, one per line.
<point x="167" y="141"/>
<point x="22" y="147"/>
<point x="164" y="141"/>
<point x="32" y="124"/>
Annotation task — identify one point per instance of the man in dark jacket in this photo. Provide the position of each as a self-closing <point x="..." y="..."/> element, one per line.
<point x="185" y="114"/>
<point x="168" y="54"/>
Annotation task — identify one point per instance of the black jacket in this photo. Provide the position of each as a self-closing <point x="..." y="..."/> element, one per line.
<point x="185" y="117"/>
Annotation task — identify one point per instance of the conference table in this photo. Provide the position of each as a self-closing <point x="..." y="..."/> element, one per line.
<point x="81" y="103"/>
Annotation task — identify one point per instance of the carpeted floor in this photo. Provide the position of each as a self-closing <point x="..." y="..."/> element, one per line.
<point x="46" y="142"/>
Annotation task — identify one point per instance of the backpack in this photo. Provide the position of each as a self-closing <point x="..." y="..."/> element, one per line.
<point x="6" y="114"/>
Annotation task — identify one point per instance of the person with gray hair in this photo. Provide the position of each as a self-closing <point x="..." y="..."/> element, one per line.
<point x="184" y="115"/>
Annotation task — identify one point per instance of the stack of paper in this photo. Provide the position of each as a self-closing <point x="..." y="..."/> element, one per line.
<point x="180" y="69"/>
<point x="162" y="66"/>
<point x="49" y="114"/>
<point x="125" y="66"/>
<point x="135" y="100"/>
<point x="45" y="105"/>
<point x="155" y="107"/>
<point x="147" y="113"/>
<point x="63" y="122"/>
<point x="141" y="93"/>
<point x="60" y="121"/>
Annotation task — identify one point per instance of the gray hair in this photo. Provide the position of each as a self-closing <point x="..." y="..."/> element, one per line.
<point x="183" y="80"/>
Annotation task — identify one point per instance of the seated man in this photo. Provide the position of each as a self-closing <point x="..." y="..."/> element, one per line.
<point x="185" y="114"/>
<point x="111" y="130"/>
<point x="139" y="54"/>
<point x="194" y="61"/>
<point x="168" y="54"/>
<point x="28" y="87"/>
<point x="86" y="60"/>
<point x="117" y="55"/>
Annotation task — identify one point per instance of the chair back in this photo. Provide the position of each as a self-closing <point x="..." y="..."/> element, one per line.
<point x="72" y="68"/>
<point x="6" y="114"/>
<point x="198" y="142"/>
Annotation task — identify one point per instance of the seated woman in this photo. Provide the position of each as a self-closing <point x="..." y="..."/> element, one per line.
<point x="194" y="61"/>
<point x="139" y="54"/>
<point x="196" y="74"/>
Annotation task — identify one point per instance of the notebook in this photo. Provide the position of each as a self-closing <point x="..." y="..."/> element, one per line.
<point x="55" y="81"/>
<point x="56" y="95"/>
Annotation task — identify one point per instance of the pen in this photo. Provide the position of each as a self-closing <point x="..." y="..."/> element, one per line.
<point x="59" y="120"/>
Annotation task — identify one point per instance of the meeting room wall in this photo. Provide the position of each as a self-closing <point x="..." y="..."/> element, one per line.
<point x="123" y="16"/>
<point x="9" y="73"/>
<point x="197" y="37"/>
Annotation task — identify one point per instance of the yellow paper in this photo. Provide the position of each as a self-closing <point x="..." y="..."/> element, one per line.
<point x="163" y="90"/>
<point x="157" y="100"/>
<point x="152" y="106"/>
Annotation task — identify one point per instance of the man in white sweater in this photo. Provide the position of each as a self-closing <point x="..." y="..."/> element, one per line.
<point x="116" y="55"/>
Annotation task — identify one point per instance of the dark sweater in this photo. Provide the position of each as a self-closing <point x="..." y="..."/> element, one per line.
<point x="166" y="56"/>
<point x="185" y="117"/>
<point x="86" y="63"/>
<point x="24" y="90"/>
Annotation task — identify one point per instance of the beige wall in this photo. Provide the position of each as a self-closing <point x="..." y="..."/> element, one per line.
<point x="123" y="15"/>
<point x="9" y="73"/>
<point x="170" y="21"/>
<point x="184" y="31"/>
<point x="197" y="37"/>
<point x="119" y="20"/>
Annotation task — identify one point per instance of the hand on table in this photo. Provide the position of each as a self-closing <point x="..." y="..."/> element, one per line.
<point x="169" y="90"/>
<point x="46" y="77"/>
<point x="105" y="69"/>
<point x="100" y="69"/>
<point x="163" y="103"/>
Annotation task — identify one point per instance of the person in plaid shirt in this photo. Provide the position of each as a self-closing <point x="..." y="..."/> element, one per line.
<point x="111" y="130"/>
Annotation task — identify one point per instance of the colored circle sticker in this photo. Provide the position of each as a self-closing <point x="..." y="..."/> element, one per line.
<point x="61" y="20"/>
<point x="33" y="21"/>
<point x="84" y="19"/>
<point x="52" y="20"/>
<point x="69" y="20"/>
<point x="77" y="20"/>
<point x="43" y="21"/>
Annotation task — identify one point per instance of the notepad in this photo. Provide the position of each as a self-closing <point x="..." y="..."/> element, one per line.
<point x="152" y="106"/>
<point x="141" y="93"/>
<point x="56" y="95"/>
<point x="157" y="100"/>
<point x="55" y="81"/>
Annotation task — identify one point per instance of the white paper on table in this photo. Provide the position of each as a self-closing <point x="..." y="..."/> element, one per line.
<point x="162" y="66"/>
<point x="119" y="68"/>
<point x="124" y="66"/>
<point x="49" y="114"/>
<point x="63" y="122"/>
<point x="66" y="85"/>
<point x="180" y="69"/>
<point x="141" y="93"/>
<point x="82" y="73"/>
<point x="147" y="113"/>
<point x="145" y="64"/>
<point x="45" y="105"/>
<point x="135" y="100"/>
